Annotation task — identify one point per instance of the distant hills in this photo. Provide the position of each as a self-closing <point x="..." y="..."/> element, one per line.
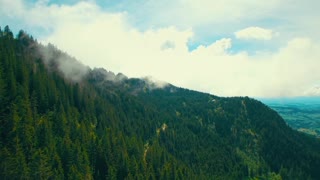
<point x="301" y="113"/>
<point x="62" y="120"/>
<point x="315" y="100"/>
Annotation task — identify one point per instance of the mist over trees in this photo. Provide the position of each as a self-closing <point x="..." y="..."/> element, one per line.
<point x="62" y="120"/>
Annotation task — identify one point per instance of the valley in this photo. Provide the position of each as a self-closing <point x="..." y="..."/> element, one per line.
<point x="301" y="113"/>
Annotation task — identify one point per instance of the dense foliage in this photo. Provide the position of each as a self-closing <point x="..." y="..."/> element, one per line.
<point x="82" y="123"/>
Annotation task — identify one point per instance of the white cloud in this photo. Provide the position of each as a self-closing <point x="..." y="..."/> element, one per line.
<point x="219" y="18"/>
<point x="313" y="91"/>
<point x="101" y="39"/>
<point x="11" y="8"/>
<point x="186" y="12"/>
<point x="216" y="48"/>
<point x="257" y="33"/>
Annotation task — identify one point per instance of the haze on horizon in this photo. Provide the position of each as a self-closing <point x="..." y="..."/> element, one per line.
<point x="227" y="48"/>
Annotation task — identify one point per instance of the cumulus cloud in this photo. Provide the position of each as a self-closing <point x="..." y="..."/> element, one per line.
<point x="200" y="12"/>
<point x="102" y="39"/>
<point x="168" y="45"/>
<point x="313" y="91"/>
<point x="216" y="48"/>
<point x="257" y="33"/>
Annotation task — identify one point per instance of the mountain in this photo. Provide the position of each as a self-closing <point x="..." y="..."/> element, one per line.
<point x="62" y="120"/>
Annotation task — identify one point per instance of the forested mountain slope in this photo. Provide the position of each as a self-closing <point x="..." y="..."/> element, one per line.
<point x="62" y="120"/>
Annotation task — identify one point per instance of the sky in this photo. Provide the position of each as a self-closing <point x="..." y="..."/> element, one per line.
<point x="223" y="47"/>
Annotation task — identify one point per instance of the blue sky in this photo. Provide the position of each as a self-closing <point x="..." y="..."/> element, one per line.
<point x="228" y="48"/>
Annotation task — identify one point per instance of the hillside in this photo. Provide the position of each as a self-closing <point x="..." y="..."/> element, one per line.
<point x="62" y="120"/>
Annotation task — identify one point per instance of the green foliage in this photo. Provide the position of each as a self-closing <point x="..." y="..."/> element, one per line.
<point x="107" y="127"/>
